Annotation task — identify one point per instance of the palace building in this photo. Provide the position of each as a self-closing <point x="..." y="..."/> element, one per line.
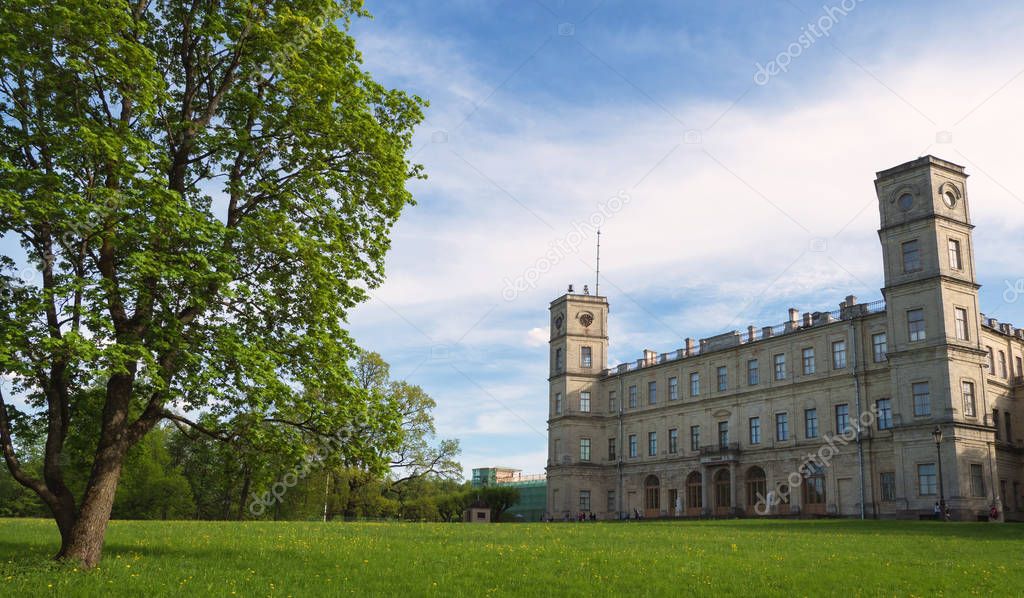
<point x="879" y="409"/>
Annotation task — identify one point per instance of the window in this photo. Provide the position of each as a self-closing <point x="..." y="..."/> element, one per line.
<point x="723" y="434"/>
<point x="632" y="446"/>
<point x="694" y="384"/>
<point x="723" y="378"/>
<point x="611" y="501"/>
<point x="585" y="500"/>
<point x="1002" y="365"/>
<point x="694" y="491"/>
<point x="911" y="256"/>
<point x="881" y="346"/>
<point x="1009" y="427"/>
<point x="611" y="449"/>
<point x="755" y="430"/>
<point x="810" y="423"/>
<point x="955" y="260"/>
<point x="969" y="405"/>
<point x="673" y="388"/>
<point x="652" y="444"/>
<point x="673" y="441"/>
<point x="915" y="325"/>
<point x="780" y="366"/>
<point x="652" y="393"/>
<point x="926" y="479"/>
<point x="883" y="408"/>
<point x="558" y="360"/>
<point x="613" y="404"/>
<point x="960" y="315"/>
<point x="1020" y="368"/>
<point x="838" y="355"/>
<point x="558" y="403"/>
<point x="922" y="399"/>
<point x="753" y="374"/>
<point x="808" y="355"/>
<point x="584" y="449"/>
<point x="814" y="484"/>
<point x="887" y="484"/>
<point x="977" y="480"/>
<point x="991" y="361"/>
<point x="781" y="426"/>
<point x="586" y="359"/>
<point x="995" y="422"/>
<point x="585" y="402"/>
<point x="694" y="438"/>
<point x="632" y="396"/>
<point x="842" y="418"/>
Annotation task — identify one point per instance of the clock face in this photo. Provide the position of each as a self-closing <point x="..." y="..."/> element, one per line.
<point x="949" y="199"/>
<point x="906" y="201"/>
<point x="586" y="320"/>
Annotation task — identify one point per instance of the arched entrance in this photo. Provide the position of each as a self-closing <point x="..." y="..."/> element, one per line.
<point x="813" y="489"/>
<point x="694" y="495"/>
<point x="723" y="493"/>
<point x="652" y="496"/>
<point x="757" y="490"/>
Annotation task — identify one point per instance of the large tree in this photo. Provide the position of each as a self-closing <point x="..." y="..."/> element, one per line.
<point x="202" y="191"/>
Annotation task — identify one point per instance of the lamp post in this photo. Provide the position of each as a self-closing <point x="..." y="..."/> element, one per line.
<point x="937" y="435"/>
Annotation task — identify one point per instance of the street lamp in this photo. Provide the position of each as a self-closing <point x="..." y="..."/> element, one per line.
<point x="937" y="435"/>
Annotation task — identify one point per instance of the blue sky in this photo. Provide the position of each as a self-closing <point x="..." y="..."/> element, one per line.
<point x="736" y="201"/>
<point x="743" y="199"/>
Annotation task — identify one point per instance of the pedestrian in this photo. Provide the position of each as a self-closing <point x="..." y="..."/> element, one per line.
<point x="936" y="511"/>
<point x="993" y="514"/>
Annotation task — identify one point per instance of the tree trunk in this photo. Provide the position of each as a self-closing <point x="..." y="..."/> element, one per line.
<point x="83" y="542"/>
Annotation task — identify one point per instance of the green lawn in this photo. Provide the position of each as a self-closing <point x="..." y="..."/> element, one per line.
<point x="801" y="558"/>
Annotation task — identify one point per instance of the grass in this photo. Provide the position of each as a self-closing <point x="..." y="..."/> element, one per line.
<point x="713" y="558"/>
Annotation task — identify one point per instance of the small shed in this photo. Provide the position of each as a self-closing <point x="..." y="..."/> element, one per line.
<point x="478" y="512"/>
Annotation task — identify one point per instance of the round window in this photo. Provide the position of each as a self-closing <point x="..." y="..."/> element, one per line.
<point x="906" y="201"/>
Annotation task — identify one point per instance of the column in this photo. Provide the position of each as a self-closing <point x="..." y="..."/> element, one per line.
<point x="732" y="487"/>
<point x="705" y="493"/>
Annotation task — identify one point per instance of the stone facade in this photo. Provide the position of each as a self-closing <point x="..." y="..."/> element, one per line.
<point x="826" y="414"/>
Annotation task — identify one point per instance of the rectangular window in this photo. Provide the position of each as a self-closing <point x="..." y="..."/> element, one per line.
<point x="810" y="423"/>
<point x="962" y="332"/>
<point x="808" y="355"/>
<point x="652" y="444"/>
<point x="694" y="384"/>
<point x="1002" y="365"/>
<point x="991" y="361"/>
<point x="558" y="360"/>
<point x="611" y="449"/>
<point x="838" y="355"/>
<point x="632" y="446"/>
<point x="926" y="479"/>
<point x="887" y="484"/>
<point x="723" y="434"/>
<point x="723" y="378"/>
<point x="632" y="396"/>
<point x="584" y="449"/>
<point x="652" y="393"/>
<point x="586" y="358"/>
<point x="995" y="422"/>
<point x="781" y="426"/>
<point x="842" y="418"/>
<point x="694" y="438"/>
<point x="922" y="399"/>
<point x="755" y="430"/>
<point x="558" y="403"/>
<point x="673" y="388"/>
<point x="969" y="403"/>
<point x="911" y="256"/>
<point x="915" y="325"/>
<point x="780" y="366"/>
<point x="753" y="373"/>
<point x="977" y="480"/>
<point x="584" y="402"/>
<point x="883" y="409"/>
<point x="585" y="500"/>
<point x="955" y="260"/>
<point x="613" y="404"/>
<point x="880" y="344"/>
<point x="611" y="501"/>
<point x="673" y="441"/>
<point x="1008" y="417"/>
<point x="1020" y="368"/>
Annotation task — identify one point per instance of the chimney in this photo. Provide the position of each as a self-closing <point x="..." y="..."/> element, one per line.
<point x="794" y="319"/>
<point x="750" y="333"/>
<point x="807" y="319"/>
<point x="851" y="301"/>
<point x="689" y="347"/>
<point x="650" y="357"/>
<point x="767" y="332"/>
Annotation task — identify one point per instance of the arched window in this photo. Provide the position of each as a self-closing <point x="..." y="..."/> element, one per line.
<point x="652" y="493"/>
<point x="757" y="485"/>
<point x="814" y="484"/>
<point x="694" y="495"/>
<point x="723" y="489"/>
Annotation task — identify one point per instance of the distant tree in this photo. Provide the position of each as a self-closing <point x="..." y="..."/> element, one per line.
<point x="152" y="487"/>
<point x="499" y="499"/>
<point x="204" y="190"/>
